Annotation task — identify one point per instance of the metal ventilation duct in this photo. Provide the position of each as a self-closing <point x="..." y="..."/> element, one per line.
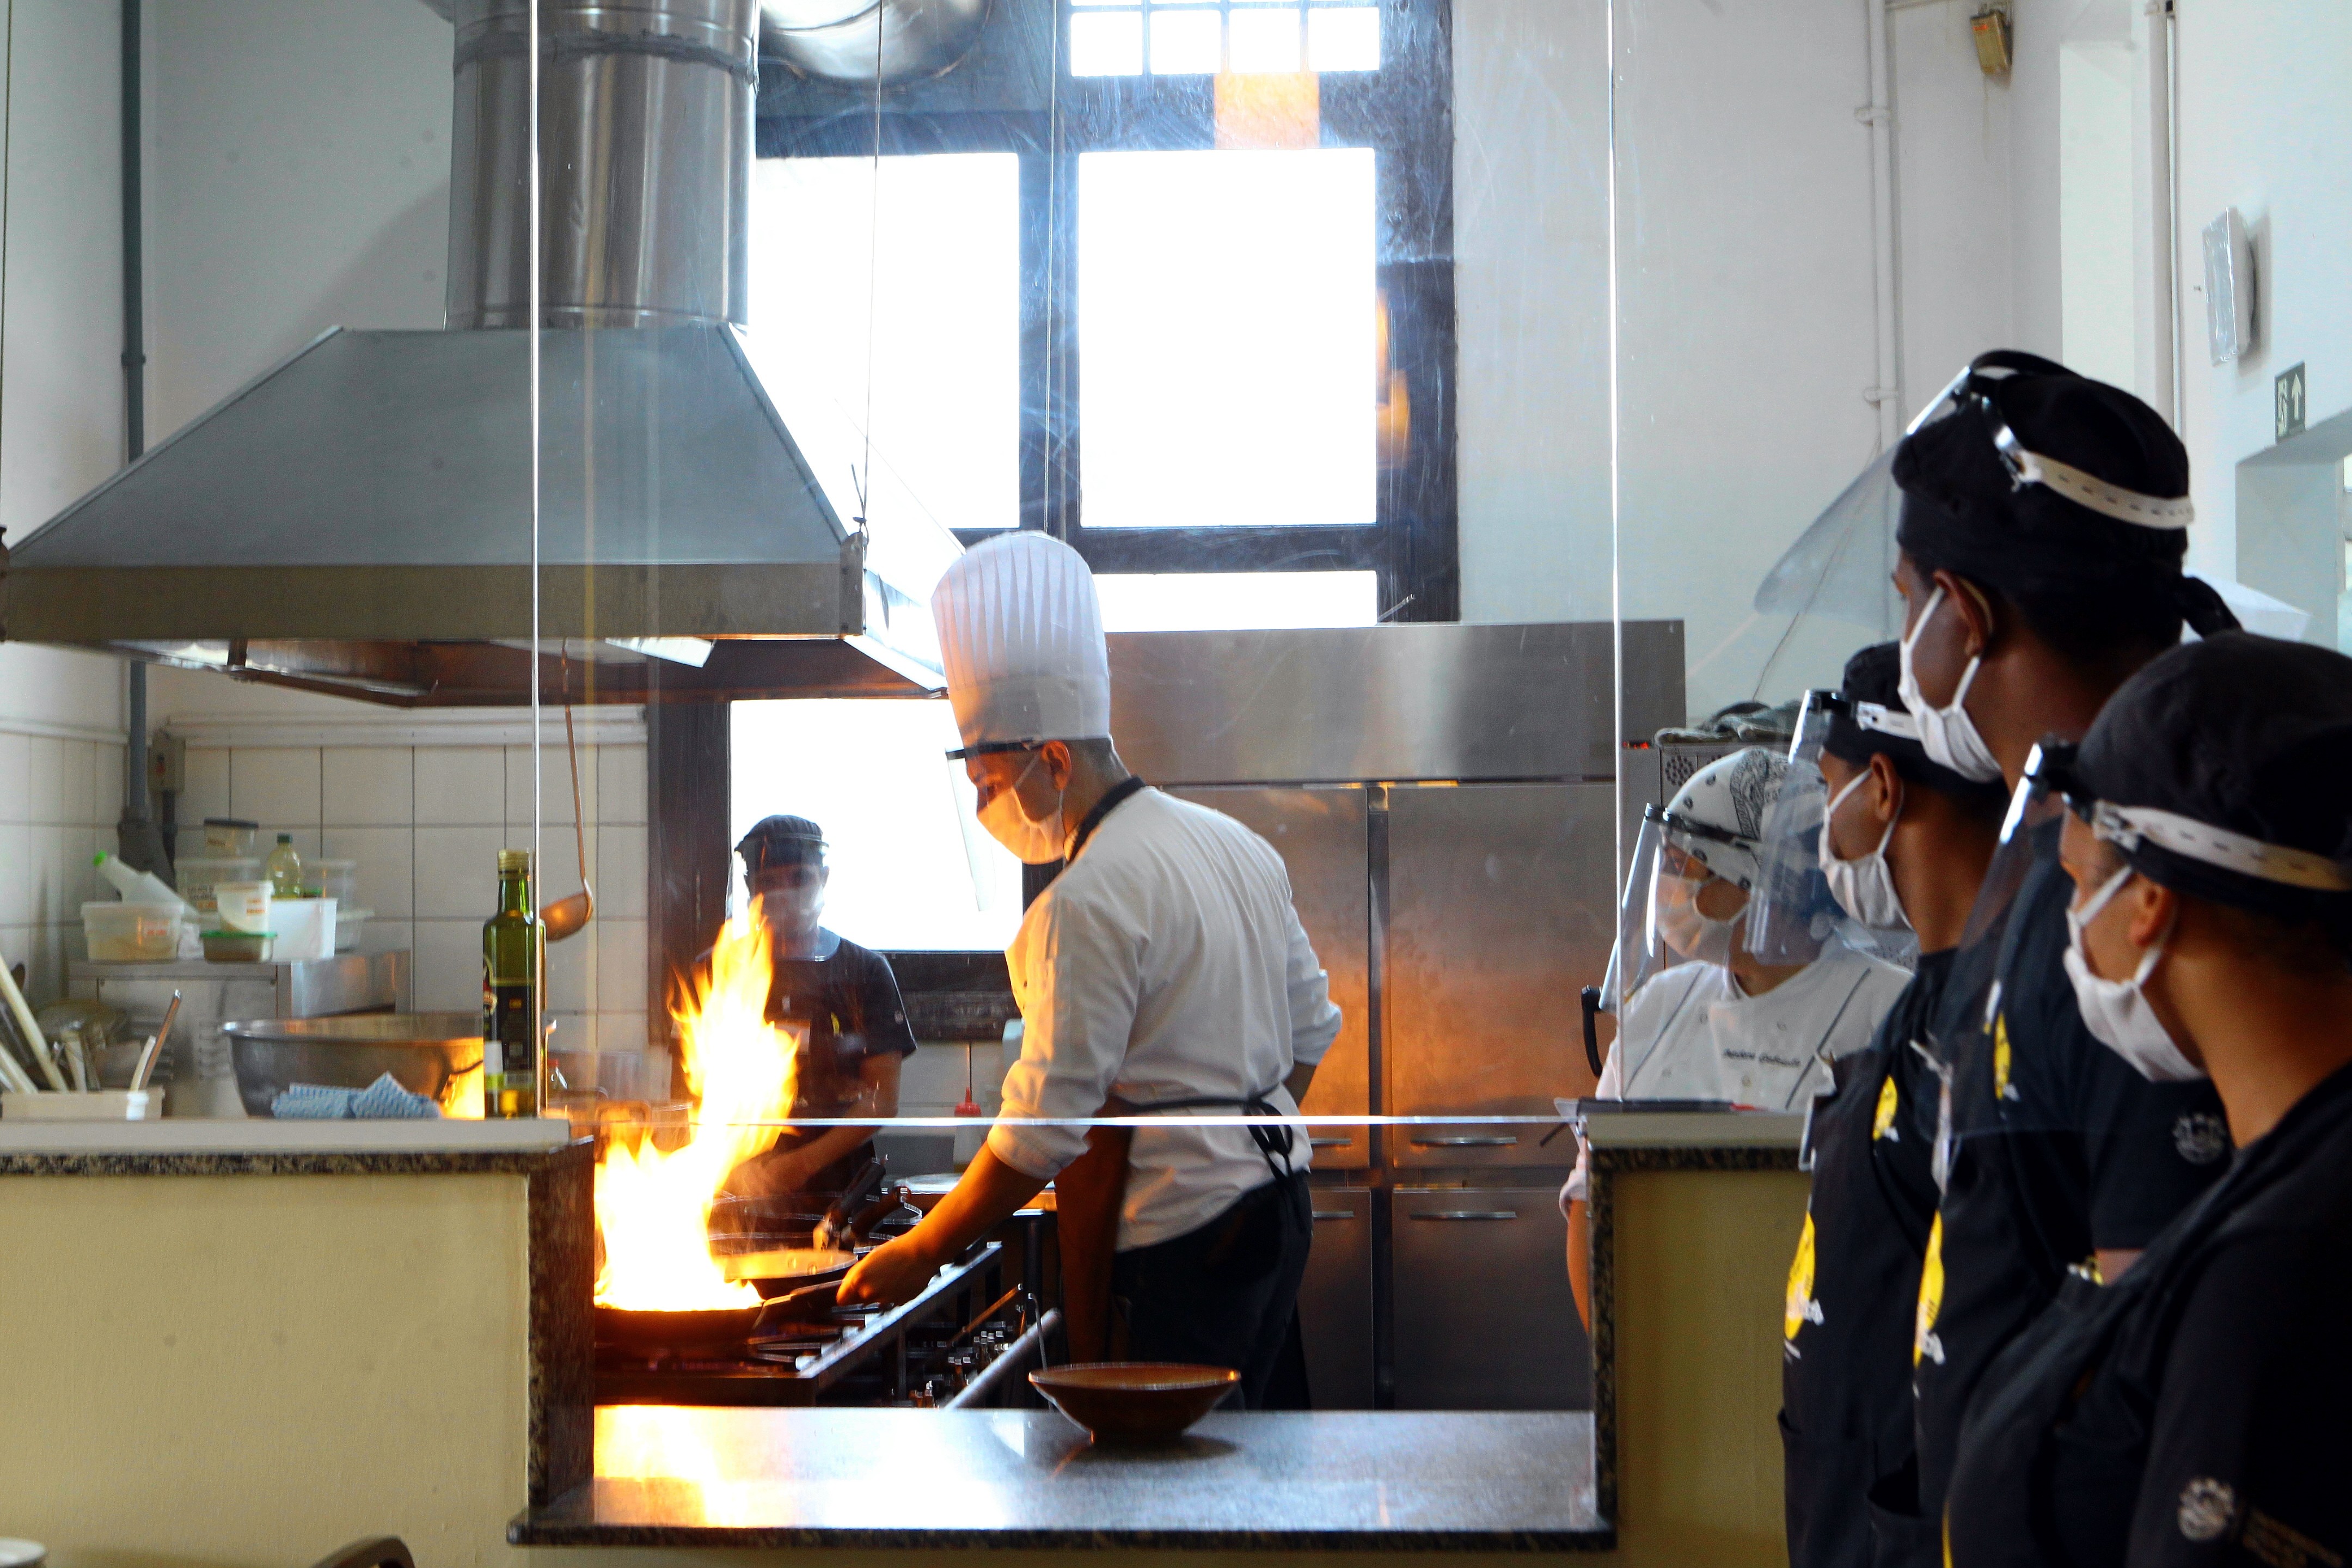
<point x="357" y="519"/>
<point x="871" y="41"/>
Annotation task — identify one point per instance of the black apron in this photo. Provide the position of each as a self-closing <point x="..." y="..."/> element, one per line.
<point x="1847" y="1415"/>
<point x="2055" y="1450"/>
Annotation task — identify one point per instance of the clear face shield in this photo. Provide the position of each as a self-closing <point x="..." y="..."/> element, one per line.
<point x="1794" y="914"/>
<point x="1685" y="893"/>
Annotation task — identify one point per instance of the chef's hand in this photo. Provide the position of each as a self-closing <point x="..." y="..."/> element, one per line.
<point x="894" y="1272"/>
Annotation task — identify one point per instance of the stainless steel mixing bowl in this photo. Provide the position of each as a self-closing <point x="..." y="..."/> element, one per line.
<point x="422" y="1051"/>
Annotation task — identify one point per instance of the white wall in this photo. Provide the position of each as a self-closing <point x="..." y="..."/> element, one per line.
<point x="298" y="179"/>
<point x="1748" y="329"/>
<point x="2265" y="126"/>
<point x="61" y="416"/>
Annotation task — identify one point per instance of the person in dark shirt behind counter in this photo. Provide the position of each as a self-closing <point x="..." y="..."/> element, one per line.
<point x="841" y="1003"/>
<point x="2193" y="1412"/>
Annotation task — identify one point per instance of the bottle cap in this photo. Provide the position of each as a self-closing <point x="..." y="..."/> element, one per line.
<point x="285" y="838"/>
<point x="514" y="860"/>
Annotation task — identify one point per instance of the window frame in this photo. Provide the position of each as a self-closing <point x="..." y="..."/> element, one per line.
<point x="1403" y="112"/>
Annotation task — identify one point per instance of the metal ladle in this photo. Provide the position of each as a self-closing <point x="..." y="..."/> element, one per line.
<point x="566" y="916"/>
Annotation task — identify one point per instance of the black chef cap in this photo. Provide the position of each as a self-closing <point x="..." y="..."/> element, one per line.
<point x="1874" y="676"/>
<point x="2245" y="733"/>
<point x="1964" y="512"/>
<point x="781" y="841"/>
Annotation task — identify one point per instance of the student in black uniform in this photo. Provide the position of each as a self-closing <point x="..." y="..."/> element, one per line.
<point x="843" y="1002"/>
<point x="2044" y="525"/>
<point x="1904" y="842"/>
<point x="2195" y="1411"/>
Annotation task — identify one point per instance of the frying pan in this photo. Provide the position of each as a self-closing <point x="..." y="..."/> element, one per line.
<point x="710" y="1330"/>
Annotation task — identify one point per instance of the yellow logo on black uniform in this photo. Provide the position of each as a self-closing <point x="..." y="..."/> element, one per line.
<point x="2001" y="1089"/>
<point x="1882" y="1124"/>
<point x="1923" y="1342"/>
<point x="1800" y="1308"/>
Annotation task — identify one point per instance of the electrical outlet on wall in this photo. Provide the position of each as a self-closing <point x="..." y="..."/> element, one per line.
<point x="167" y="762"/>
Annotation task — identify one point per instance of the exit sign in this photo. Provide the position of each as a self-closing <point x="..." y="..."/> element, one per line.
<point x="2288" y="391"/>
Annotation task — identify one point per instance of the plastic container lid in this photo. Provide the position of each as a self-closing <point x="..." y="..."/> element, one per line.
<point x="232" y="822"/>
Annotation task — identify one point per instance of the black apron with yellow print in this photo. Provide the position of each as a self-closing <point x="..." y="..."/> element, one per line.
<point x="1845" y="1379"/>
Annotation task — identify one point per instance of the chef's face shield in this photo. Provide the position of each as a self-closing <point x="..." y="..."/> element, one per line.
<point x="1686" y="895"/>
<point x="1791" y="913"/>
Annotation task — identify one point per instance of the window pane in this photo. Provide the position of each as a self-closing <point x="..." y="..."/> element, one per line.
<point x="912" y="867"/>
<point x="945" y="393"/>
<point x="1230" y="601"/>
<point x="1185" y="43"/>
<point x="1343" y="38"/>
<point x="1264" y="39"/>
<point x="1225" y="323"/>
<point x="1108" y="43"/>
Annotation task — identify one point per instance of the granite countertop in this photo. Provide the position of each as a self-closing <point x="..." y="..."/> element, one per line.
<point x="198" y="1146"/>
<point x="678" y="1475"/>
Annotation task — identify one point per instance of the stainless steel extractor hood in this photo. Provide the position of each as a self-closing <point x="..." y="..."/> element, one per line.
<point x="357" y="519"/>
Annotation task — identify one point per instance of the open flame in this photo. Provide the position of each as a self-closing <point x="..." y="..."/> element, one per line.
<point x="652" y="1206"/>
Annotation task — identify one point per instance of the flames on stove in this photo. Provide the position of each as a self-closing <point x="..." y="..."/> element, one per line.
<point x="652" y="1206"/>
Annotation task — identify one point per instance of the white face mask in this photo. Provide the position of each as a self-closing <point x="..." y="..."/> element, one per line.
<point x="2116" y="1012"/>
<point x="1035" y="841"/>
<point x="1687" y="928"/>
<point x="1864" y="886"/>
<point x="1948" y="734"/>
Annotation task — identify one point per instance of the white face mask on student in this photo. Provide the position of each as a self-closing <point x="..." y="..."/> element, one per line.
<point x="1689" y="930"/>
<point x="1036" y="841"/>
<point x="2116" y="1012"/>
<point x="1947" y="732"/>
<point x="1864" y="886"/>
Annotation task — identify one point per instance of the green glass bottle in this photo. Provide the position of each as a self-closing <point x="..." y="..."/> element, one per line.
<point x="514" y="958"/>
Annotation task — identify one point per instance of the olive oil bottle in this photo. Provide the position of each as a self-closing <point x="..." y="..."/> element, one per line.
<point x="514" y="961"/>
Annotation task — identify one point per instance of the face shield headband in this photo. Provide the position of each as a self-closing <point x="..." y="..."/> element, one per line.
<point x="1972" y="388"/>
<point x="2197" y="857"/>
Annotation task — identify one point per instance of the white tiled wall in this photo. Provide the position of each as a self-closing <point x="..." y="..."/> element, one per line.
<point x="426" y="825"/>
<point x="59" y="803"/>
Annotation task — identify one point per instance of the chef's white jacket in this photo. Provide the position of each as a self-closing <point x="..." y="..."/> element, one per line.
<point x="1165" y="963"/>
<point x="1691" y="1033"/>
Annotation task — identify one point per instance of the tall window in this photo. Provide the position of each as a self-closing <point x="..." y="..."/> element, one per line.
<point x="1170" y="278"/>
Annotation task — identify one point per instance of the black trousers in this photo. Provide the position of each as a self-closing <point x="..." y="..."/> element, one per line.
<point x="1226" y="1294"/>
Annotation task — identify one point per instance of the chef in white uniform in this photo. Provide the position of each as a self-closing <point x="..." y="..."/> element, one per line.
<point x="1164" y="969"/>
<point x="1722" y="1024"/>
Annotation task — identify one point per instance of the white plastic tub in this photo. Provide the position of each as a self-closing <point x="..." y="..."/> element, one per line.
<point x="349" y="923"/>
<point x="131" y="934"/>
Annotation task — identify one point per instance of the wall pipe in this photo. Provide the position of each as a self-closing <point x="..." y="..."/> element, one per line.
<point x="1878" y="115"/>
<point x="137" y="840"/>
<point x="2164" y="253"/>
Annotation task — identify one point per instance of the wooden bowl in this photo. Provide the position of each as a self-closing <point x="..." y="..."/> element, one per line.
<point x="1135" y="1401"/>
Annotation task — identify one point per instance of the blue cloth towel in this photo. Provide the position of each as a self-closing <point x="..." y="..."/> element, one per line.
<point x="381" y="1101"/>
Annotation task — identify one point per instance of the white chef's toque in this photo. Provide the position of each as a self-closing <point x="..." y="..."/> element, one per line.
<point x="1021" y="632"/>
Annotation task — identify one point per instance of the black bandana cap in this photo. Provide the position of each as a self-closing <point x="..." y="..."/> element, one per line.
<point x="781" y="841"/>
<point x="2248" y="734"/>
<point x="1965" y="509"/>
<point x="1873" y="679"/>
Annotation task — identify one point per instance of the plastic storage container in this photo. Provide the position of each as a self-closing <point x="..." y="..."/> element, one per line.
<point x="349" y="923"/>
<point x="200" y="874"/>
<point x="303" y="928"/>
<point x="336" y="879"/>
<point x="229" y="836"/>
<point x="131" y="934"/>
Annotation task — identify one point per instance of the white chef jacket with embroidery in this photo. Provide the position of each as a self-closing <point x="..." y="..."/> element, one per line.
<point x="1165" y="963"/>
<point x="1693" y="1034"/>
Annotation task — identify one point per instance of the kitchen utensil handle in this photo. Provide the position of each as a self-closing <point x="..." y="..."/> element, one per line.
<point x="155" y="1047"/>
<point x="1590" y="998"/>
<point x="1483" y="1141"/>
<point x="34" y="1040"/>
<point x="1463" y="1214"/>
